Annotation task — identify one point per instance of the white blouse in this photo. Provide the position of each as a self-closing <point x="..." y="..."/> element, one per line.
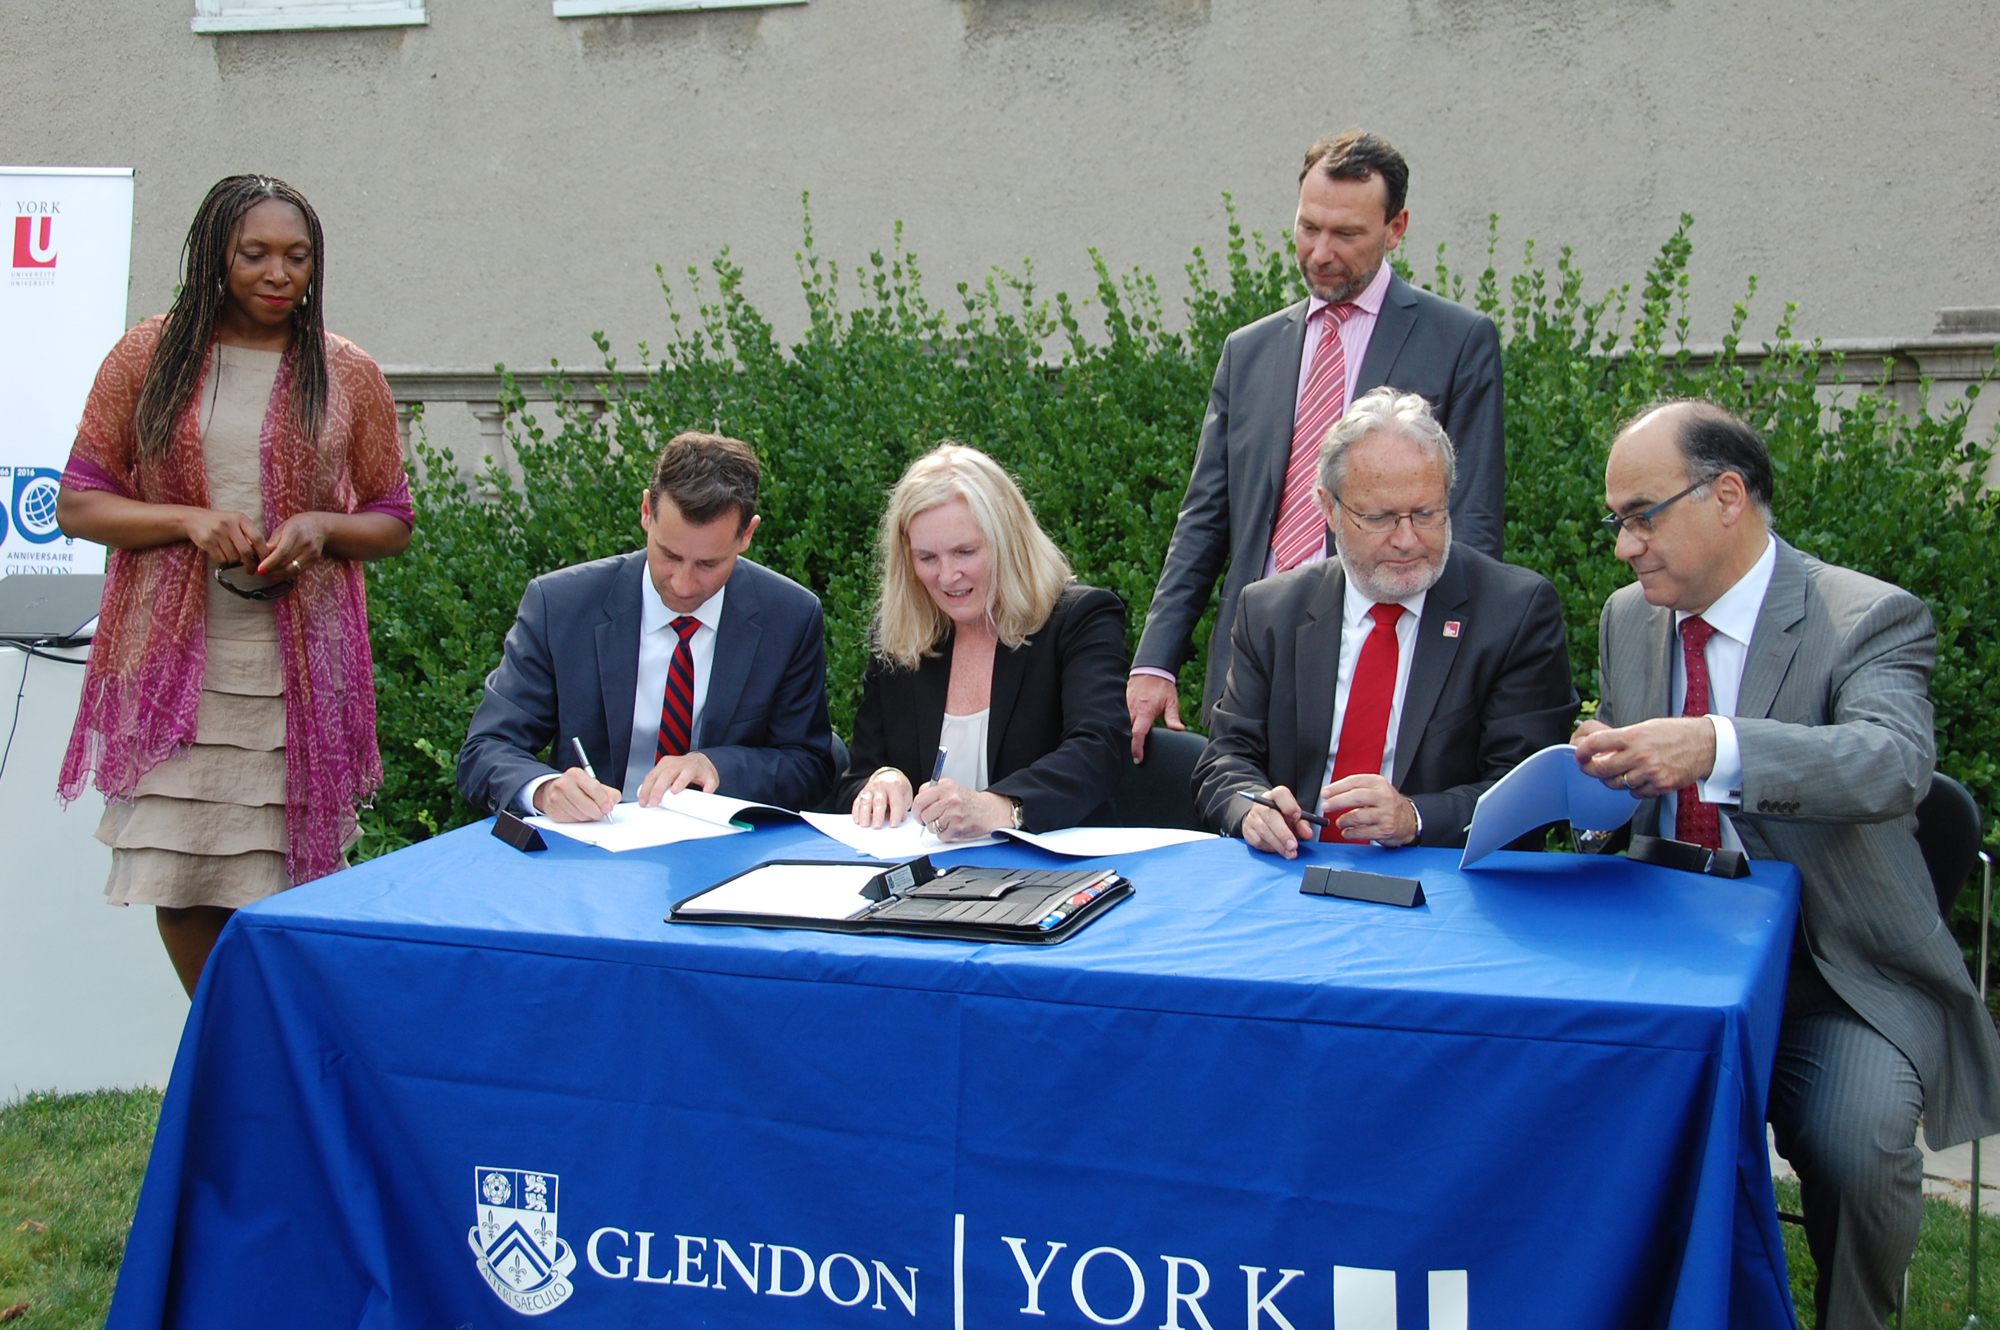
<point x="964" y="740"/>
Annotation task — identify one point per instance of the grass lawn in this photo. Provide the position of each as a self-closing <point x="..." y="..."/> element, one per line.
<point x="70" y="1167"/>
<point x="69" y="1177"/>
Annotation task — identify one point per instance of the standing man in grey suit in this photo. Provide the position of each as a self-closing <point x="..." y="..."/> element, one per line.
<point x="680" y="664"/>
<point x="1390" y="686"/>
<point x="1283" y="381"/>
<point x="1759" y="699"/>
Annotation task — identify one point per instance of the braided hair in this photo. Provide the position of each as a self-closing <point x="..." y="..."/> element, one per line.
<point x="174" y="374"/>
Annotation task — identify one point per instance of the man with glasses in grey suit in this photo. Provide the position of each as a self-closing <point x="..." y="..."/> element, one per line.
<point x="1759" y="699"/>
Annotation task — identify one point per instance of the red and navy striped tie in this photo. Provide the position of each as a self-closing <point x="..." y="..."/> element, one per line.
<point x="677" y="708"/>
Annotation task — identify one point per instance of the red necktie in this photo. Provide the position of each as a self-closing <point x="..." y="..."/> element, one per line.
<point x="1696" y="822"/>
<point x="1301" y="527"/>
<point x="677" y="708"/>
<point x="1364" y="727"/>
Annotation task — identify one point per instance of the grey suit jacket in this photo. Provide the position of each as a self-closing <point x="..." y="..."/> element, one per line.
<point x="1421" y="344"/>
<point x="570" y="668"/>
<point x="1489" y="686"/>
<point x="1834" y="722"/>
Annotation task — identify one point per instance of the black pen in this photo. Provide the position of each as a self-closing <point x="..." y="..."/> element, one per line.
<point x="1314" y="818"/>
<point x="937" y="768"/>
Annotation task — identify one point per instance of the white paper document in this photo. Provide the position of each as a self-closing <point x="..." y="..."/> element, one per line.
<point x="1105" y="842"/>
<point x="801" y="891"/>
<point x="630" y="827"/>
<point x="906" y="841"/>
<point x="1548" y="787"/>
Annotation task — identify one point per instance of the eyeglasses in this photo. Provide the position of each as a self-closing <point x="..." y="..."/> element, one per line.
<point x="1381" y="524"/>
<point x="269" y="591"/>
<point x="1641" y="524"/>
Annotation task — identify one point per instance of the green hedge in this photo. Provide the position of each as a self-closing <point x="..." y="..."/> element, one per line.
<point x="1099" y="424"/>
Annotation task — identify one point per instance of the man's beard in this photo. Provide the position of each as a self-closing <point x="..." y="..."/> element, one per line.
<point x="1379" y="586"/>
<point x="1340" y="295"/>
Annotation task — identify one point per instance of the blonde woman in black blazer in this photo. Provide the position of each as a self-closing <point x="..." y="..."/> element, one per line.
<point x="984" y="644"/>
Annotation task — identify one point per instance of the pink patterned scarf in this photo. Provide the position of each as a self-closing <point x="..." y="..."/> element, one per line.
<point x="142" y="687"/>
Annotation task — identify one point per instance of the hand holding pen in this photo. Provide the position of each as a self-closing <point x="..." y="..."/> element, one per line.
<point x="576" y="795"/>
<point x="1276" y="824"/>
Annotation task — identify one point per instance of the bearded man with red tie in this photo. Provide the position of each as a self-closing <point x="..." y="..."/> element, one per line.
<point x="682" y="664"/>
<point x="1389" y="686"/>
<point x="1761" y="700"/>
<point x="1279" y="384"/>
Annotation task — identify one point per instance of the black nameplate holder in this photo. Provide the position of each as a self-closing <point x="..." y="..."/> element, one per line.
<point x="1375" y="888"/>
<point x="517" y="833"/>
<point x="1664" y="853"/>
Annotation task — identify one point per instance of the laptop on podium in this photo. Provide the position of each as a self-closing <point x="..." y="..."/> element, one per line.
<point x="49" y="609"/>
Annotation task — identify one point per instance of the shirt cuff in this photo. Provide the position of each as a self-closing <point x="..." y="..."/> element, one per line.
<point x="1156" y="673"/>
<point x="1725" y="783"/>
<point x="526" y="798"/>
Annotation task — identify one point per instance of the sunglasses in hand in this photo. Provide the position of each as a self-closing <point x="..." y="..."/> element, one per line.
<point x="258" y="587"/>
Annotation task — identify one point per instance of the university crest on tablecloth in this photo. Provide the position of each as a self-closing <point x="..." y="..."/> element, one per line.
<point x="515" y="1241"/>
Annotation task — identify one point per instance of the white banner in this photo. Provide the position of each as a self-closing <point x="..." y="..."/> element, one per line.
<point x="69" y="246"/>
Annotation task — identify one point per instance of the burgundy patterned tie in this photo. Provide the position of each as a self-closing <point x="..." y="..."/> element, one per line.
<point x="1301" y="527"/>
<point x="677" y="708"/>
<point x="1696" y="822"/>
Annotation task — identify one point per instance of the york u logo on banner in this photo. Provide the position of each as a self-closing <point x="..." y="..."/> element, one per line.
<point x="35" y="243"/>
<point x="515" y="1241"/>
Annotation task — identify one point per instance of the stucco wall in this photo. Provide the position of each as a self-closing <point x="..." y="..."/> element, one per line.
<point x="500" y="183"/>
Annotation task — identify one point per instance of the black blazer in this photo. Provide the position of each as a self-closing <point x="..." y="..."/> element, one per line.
<point x="1422" y="344"/>
<point x="571" y="667"/>
<point x="1057" y="734"/>
<point x="1477" y="703"/>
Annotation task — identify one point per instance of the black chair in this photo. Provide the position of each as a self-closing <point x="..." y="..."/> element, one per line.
<point x="827" y="805"/>
<point x="1159" y="792"/>
<point x="1949" y="834"/>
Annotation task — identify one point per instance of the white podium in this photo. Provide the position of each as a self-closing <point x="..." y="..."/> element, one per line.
<point x="88" y="999"/>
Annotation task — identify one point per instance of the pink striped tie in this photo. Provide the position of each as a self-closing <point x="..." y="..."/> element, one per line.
<point x="1301" y="527"/>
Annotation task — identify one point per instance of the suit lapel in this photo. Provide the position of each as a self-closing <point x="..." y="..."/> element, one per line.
<point x="1008" y="668"/>
<point x="1430" y="664"/>
<point x="1772" y="642"/>
<point x="1277" y="400"/>
<point x="618" y="660"/>
<point x="1392" y="329"/>
<point x="736" y="639"/>
<point x="1315" y="671"/>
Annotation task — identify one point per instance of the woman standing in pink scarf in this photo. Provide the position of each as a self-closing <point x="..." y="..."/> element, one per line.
<point x="240" y="461"/>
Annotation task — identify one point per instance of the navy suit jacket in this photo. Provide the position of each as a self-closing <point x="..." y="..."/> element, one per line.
<point x="571" y="666"/>
<point x="1422" y="344"/>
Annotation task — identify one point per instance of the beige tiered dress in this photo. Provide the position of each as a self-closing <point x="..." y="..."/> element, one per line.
<point x="208" y="825"/>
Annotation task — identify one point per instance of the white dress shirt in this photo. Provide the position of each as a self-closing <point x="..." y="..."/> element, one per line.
<point x="1356" y="623"/>
<point x="1733" y="616"/>
<point x="657" y="641"/>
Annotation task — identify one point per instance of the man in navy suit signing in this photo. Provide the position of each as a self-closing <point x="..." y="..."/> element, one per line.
<point x="682" y="664"/>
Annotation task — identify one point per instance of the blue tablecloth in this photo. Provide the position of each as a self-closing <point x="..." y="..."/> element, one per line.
<point x="461" y="1084"/>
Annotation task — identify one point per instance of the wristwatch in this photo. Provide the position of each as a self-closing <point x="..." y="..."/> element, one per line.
<point x="1015" y="804"/>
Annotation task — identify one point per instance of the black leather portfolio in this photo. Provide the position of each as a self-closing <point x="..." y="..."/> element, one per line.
<point x="1033" y="906"/>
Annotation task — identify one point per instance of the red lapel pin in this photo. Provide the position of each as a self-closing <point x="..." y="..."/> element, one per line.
<point x="1451" y="628"/>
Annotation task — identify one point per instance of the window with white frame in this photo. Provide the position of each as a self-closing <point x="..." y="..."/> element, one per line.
<point x="276" y="15"/>
<point x="599" y="8"/>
